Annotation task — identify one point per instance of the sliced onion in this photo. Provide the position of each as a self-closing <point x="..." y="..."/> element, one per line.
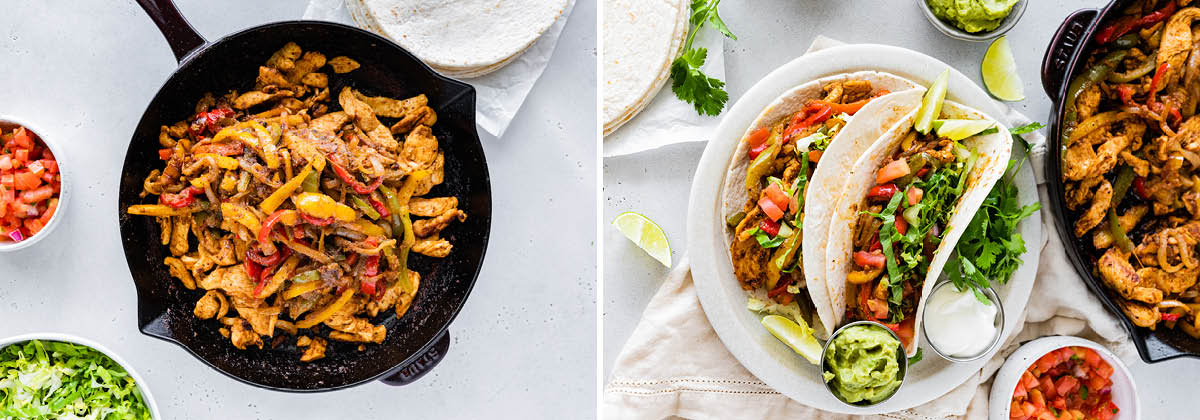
<point x="1162" y="254"/>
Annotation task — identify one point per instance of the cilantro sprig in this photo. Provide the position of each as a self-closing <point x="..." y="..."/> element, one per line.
<point x="990" y="248"/>
<point x="706" y="94"/>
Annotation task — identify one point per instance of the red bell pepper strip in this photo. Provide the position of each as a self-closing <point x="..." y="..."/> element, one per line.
<point x="849" y="108"/>
<point x="223" y="149"/>
<point x="165" y="154"/>
<point x="813" y="113"/>
<point x="379" y="206"/>
<point x="205" y="121"/>
<point x="315" y="221"/>
<point x="265" y="261"/>
<point x="875" y="245"/>
<point x="264" y="233"/>
<point x="1154" y="82"/>
<point x="1167" y="316"/>
<point x="757" y="141"/>
<point x="354" y="184"/>
<point x="1128" y="23"/>
<point x="1126" y="93"/>
<point x="882" y="192"/>
<point x="869" y="259"/>
<point x="367" y="286"/>
<point x="371" y="267"/>
<point x="252" y="268"/>
<point x="779" y="289"/>
<point x="269" y="270"/>
<point x="864" y="293"/>
<point x="183" y="198"/>
<point x="1139" y="187"/>
<point x="769" y="226"/>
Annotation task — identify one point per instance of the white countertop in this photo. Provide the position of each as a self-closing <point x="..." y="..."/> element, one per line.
<point x="523" y="346"/>
<point x="771" y="33"/>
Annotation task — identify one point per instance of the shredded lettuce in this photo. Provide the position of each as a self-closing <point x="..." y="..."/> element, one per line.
<point x="55" y="380"/>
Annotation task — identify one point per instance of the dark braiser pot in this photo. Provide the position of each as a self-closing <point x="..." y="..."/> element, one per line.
<point x="1065" y="57"/>
<point x="416" y="342"/>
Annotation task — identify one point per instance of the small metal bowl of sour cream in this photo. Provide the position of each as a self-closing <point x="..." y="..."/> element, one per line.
<point x="901" y="358"/>
<point x="966" y="332"/>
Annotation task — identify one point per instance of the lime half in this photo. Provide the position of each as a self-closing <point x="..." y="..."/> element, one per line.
<point x="960" y="129"/>
<point x="931" y="104"/>
<point x="646" y="234"/>
<point x="798" y="337"/>
<point x="1000" y="72"/>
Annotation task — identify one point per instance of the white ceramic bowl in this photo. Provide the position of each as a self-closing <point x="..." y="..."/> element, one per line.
<point x="141" y="383"/>
<point x="1124" y="391"/>
<point x="7" y="123"/>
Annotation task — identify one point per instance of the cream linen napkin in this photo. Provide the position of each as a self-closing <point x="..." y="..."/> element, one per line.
<point x="499" y="94"/>
<point x="675" y="365"/>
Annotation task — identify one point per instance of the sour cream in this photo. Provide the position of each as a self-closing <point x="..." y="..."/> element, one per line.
<point x="958" y="324"/>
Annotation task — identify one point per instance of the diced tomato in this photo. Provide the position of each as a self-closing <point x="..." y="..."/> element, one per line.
<point x="1091" y="358"/>
<point x="776" y="195"/>
<point x="1066" y="385"/>
<point x="1107" y="411"/>
<point x="870" y="259"/>
<point x="769" y="226"/>
<point x="893" y="170"/>
<point x="51" y="165"/>
<point x="33" y="225"/>
<point x="21" y="156"/>
<point x="878" y="308"/>
<point x="25" y="181"/>
<point x="165" y="154"/>
<point x="757" y="141"/>
<point x="1028" y="380"/>
<point x="875" y="245"/>
<point x="1104" y="369"/>
<point x="1015" y="411"/>
<point x="1020" y="391"/>
<point x="814" y="156"/>
<point x="36" y="167"/>
<point x="1059" y="403"/>
<point x="907" y="330"/>
<point x="6" y="162"/>
<point x="1046" y="385"/>
<point x="901" y="225"/>
<point x="1028" y="408"/>
<point x="914" y="195"/>
<point x="49" y="213"/>
<point x="22" y="139"/>
<point x="37" y="195"/>
<point x="1036" y="397"/>
<point x="882" y="192"/>
<point x="769" y="208"/>
<point x="1046" y="362"/>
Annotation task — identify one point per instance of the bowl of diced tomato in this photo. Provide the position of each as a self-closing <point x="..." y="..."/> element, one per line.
<point x="1063" y="378"/>
<point x="31" y="186"/>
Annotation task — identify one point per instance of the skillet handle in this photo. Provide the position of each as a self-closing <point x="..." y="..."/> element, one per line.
<point x="1063" y="45"/>
<point x="418" y="368"/>
<point x="179" y="33"/>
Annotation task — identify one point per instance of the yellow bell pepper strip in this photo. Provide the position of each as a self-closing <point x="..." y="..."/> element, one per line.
<point x="160" y="210"/>
<point x="234" y="132"/>
<point x="406" y="192"/>
<point x="365" y="208"/>
<point x="368" y="228"/>
<point x="223" y="162"/>
<point x="321" y="206"/>
<point x="303" y="283"/>
<point x="241" y="215"/>
<point x="266" y="143"/>
<point x="282" y="274"/>
<point x="324" y="314"/>
<point x="276" y="198"/>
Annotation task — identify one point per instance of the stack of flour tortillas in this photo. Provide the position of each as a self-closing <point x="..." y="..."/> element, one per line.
<point x="460" y="38"/>
<point x="641" y="39"/>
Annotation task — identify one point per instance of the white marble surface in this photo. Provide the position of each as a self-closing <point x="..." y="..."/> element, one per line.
<point x="771" y="33"/>
<point x="524" y="345"/>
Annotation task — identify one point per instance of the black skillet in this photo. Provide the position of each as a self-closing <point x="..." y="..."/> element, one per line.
<point x="1066" y="57"/>
<point x="416" y="342"/>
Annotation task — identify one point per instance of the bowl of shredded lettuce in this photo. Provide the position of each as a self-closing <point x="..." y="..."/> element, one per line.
<point x="58" y="376"/>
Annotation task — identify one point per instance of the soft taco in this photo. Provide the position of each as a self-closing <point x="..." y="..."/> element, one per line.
<point x="775" y="183"/>
<point x="904" y="207"/>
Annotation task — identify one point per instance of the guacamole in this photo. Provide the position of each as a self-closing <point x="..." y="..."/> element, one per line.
<point x="972" y="15"/>
<point x="861" y="364"/>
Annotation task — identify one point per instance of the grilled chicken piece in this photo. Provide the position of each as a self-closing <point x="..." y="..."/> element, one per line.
<point x="378" y="134"/>
<point x="207" y="306"/>
<point x="256" y="97"/>
<point x="1176" y="43"/>
<point x="432" y="247"/>
<point x="1140" y="166"/>
<point x="355" y="329"/>
<point x="394" y="296"/>
<point x="232" y="280"/>
<point x="1088" y="101"/>
<point x="1101" y="238"/>
<point x="1081" y="161"/>
<point x="1140" y="314"/>
<point x="261" y="319"/>
<point x="308" y="63"/>
<point x="329" y="123"/>
<point x="426" y="227"/>
<point x="1170" y="283"/>
<point x="1120" y="276"/>
<point x="420" y="150"/>
<point x="420" y="116"/>
<point x="242" y="336"/>
<point x="430" y="207"/>
<point x="1100" y="202"/>
<point x="749" y="258"/>
<point x="314" y="348"/>
<point x="268" y="76"/>
<point x="285" y="58"/>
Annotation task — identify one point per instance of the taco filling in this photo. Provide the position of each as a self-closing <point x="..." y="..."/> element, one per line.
<point x="905" y="215"/>
<point x="783" y="156"/>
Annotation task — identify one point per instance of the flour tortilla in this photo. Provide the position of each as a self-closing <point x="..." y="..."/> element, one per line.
<point x="993" y="149"/>
<point x="859" y="132"/>
<point x="462" y="36"/>
<point x="641" y="39"/>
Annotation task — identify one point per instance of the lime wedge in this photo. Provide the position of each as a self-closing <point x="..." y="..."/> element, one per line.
<point x="960" y="129"/>
<point x="798" y="337"/>
<point x="931" y="104"/>
<point x="1000" y="72"/>
<point x="646" y="234"/>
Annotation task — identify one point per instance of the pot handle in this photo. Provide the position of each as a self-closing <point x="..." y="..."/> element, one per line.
<point x="418" y="368"/>
<point x="179" y="33"/>
<point x="1063" y="45"/>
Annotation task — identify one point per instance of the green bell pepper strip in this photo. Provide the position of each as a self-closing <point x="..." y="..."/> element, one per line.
<point x="1120" y="189"/>
<point x="364" y="207"/>
<point x="1080" y="83"/>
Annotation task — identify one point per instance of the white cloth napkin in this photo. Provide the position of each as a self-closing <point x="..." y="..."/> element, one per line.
<point x="668" y="120"/>
<point x="675" y="365"/>
<point x="499" y="94"/>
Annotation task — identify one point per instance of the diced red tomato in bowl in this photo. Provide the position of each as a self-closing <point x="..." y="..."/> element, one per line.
<point x="1071" y="382"/>
<point x="30" y="184"/>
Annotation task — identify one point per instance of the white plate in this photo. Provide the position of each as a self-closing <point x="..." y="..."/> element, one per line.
<point x="722" y="297"/>
<point x="68" y="338"/>
<point x="1124" y="391"/>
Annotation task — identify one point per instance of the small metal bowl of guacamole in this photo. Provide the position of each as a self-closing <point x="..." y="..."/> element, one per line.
<point x="973" y="20"/>
<point x="863" y="363"/>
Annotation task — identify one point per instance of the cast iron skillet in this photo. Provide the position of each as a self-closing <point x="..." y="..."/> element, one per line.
<point x="1065" y="57"/>
<point x="416" y="342"/>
